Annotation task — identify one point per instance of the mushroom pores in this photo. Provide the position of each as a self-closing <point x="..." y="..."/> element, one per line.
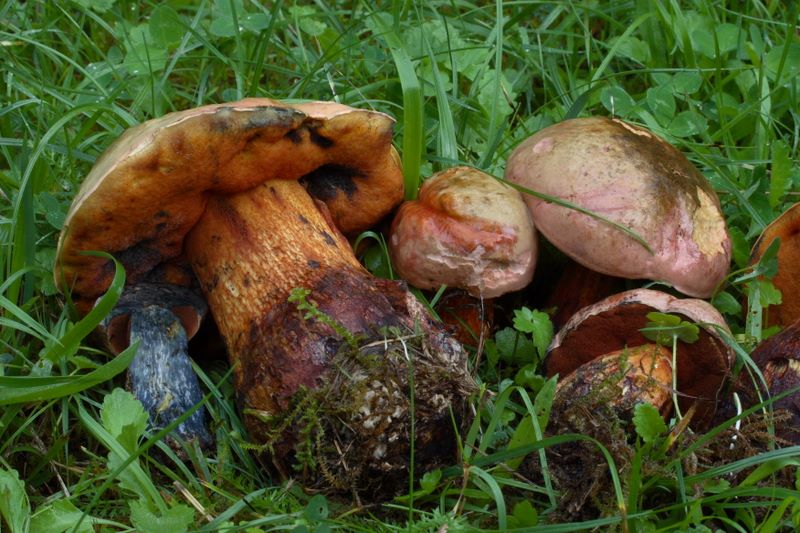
<point x="466" y="230"/>
<point x="636" y="179"/>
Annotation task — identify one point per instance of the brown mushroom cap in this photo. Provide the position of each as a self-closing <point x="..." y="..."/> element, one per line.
<point x="615" y="323"/>
<point x="466" y="230"/>
<point x="787" y="228"/>
<point x="151" y="186"/>
<point x="634" y="178"/>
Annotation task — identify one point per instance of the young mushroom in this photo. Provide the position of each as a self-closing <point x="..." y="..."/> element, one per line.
<point x="636" y="179"/>
<point x="786" y="228"/>
<point x="162" y="317"/>
<point x="617" y="322"/>
<point x="465" y="230"/>
<point x="256" y="196"/>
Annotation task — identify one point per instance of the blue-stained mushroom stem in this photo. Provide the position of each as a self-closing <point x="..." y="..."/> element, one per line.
<point x="162" y="318"/>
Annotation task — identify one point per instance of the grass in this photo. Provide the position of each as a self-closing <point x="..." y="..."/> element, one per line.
<point x="466" y="82"/>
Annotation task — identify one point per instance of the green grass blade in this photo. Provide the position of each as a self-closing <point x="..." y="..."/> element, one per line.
<point x="24" y="389"/>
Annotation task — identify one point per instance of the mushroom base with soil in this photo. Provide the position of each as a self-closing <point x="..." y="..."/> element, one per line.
<point x="325" y="374"/>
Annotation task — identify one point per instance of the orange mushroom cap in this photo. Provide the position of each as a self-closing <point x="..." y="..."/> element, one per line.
<point x="151" y="186"/>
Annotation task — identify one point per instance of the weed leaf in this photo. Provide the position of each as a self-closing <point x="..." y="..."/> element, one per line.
<point x="648" y="422"/>
<point x="175" y="520"/>
<point x="15" y="508"/>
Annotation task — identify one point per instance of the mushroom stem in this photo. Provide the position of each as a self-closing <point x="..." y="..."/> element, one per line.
<point x="262" y="243"/>
<point x="161" y="374"/>
<point x="162" y="317"/>
<point x="249" y="250"/>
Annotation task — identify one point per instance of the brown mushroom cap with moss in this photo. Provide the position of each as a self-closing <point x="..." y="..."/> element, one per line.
<point x="786" y="228"/>
<point x="257" y="196"/>
<point x="466" y="230"/>
<point x="636" y="179"/>
<point x="616" y="322"/>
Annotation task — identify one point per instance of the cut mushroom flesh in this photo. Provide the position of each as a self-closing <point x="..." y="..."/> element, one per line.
<point x="161" y="318"/>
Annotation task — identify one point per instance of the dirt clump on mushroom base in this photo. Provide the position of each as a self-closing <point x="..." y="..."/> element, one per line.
<point x="352" y="432"/>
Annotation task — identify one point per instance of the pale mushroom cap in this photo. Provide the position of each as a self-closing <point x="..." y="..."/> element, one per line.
<point x="151" y="186"/>
<point x="466" y="230"/>
<point x="636" y="179"/>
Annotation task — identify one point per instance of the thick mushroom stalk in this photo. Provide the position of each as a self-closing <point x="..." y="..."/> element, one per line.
<point x="161" y="318"/>
<point x="249" y="250"/>
<point x="636" y="179"/>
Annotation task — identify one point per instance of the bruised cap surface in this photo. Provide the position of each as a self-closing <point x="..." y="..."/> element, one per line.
<point x="151" y="186"/>
<point x="636" y="179"/>
<point x="466" y="230"/>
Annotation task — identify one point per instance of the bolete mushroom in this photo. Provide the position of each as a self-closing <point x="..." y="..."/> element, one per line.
<point x="466" y="230"/>
<point x="778" y="358"/>
<point x="786" y="228"/>
<point x="162" y="317"/>
<point x="636" y="179"/>
<point x="256" y="195"/>
<point x="617" y="322"/>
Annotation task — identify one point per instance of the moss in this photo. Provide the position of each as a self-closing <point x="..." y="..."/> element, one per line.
<point x="353" y="430"/>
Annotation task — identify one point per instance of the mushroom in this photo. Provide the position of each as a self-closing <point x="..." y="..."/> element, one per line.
<point x="616" y="322"/>
<point x="256" y="196"/>
<point x="786" y="228"/>
<point x="634" y="178"/>
<point x="621" y="379"/>
<point x="162" y="317"/>
<point x="778" y="358"/>
<point x="465" y="230"/>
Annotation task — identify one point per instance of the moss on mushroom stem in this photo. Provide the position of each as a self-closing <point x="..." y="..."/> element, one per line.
<point x="249" y="250"/>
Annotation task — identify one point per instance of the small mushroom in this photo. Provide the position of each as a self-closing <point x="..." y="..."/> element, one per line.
<point x="257" y="197"/>
<point x="636" y="179"/>
<point x="786" y="228"/>
<point x="616" y="322"/>
<point x="465" y="230"/>
<point x="162" y="318"/>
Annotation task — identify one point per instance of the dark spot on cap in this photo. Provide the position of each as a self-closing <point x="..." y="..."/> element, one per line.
<point x="162" y="214"/>
<point x="325" y="182"/>
<point x="303" y="219"/>
<point x="319" y="139"/>
<point x="313" y="264"/>
<point x="246" y="281"/>
<point x="328" y="239"/>
<point x="139" y="259"/>
<point x="294" y="136"/>
<point x="161" y="226"/>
